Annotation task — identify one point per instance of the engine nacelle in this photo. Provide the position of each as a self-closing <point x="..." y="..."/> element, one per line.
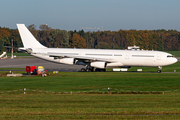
<point x="98" y="64"/>
<point x="69" y="61"/>
<point x="116" y="64"/>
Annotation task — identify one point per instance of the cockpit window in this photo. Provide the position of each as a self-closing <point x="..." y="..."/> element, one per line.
<point x="170" y="56"/>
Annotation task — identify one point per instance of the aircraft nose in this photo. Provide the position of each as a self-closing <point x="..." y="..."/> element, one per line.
<point x="173" y="60"/>
<point x="176" y="60"/>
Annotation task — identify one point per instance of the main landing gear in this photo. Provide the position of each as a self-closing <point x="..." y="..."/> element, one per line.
<point x="100" y="70"/>
<point x="87" y="69"/>
<point x="91" y="69"/>
<point x="159" y="69"/>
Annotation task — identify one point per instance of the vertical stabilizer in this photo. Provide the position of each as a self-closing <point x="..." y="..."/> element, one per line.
<point x="29" y="41"/>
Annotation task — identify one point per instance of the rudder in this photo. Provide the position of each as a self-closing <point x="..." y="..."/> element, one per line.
<point x="29" y="41"/>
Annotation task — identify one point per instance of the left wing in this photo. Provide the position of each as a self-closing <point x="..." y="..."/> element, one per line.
<point x="79" y="57"/>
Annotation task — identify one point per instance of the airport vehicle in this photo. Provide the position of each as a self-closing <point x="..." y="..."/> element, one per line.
<point x="100" y="59"/>
<point x="34" y="70"/>
<point x="30" y="69"/>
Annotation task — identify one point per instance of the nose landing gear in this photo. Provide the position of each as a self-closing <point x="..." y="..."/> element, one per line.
<point x="159" y="69"/>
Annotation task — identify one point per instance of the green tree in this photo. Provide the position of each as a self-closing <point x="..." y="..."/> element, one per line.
<point x="43" y="35"/>
<point x="59" y="38"/>
<point x="33" y="30"/>
<point x="65" y="38"/>
<point x="1" y="45"/>
<point x="103" y="45"/>
<point x="5" y="35"/>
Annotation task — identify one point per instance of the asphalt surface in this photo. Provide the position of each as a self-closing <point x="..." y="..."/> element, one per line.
<point x="178" y="58"/>
<point x="50" y="66"/>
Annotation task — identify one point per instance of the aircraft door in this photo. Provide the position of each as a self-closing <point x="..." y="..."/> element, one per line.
<point x="159" y="57"/>
<point x="127" y="56"/>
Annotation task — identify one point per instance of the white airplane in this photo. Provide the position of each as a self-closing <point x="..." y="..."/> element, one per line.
<point x="94" y="58"/>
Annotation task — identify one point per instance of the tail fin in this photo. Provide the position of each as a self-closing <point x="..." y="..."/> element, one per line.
<point x="29" y="41"/>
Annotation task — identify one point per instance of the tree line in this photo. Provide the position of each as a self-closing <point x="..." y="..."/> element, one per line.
<point x="163" y="40"/>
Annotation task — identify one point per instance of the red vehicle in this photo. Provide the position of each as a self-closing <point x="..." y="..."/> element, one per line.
<point x="30" y="69"/>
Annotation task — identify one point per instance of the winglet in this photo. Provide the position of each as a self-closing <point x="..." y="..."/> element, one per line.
<point x="29" y="41"/>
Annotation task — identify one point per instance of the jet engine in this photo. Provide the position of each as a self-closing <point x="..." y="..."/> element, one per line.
<point x="69" y="61"/>
<point x="98" y="64"/>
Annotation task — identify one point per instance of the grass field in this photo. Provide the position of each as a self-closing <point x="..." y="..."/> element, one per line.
<point x="18" y="54"/>
<point x="84" y="95"/>
<point x="49" y="106"/>
<point x="78" y="81"/>
<point x="44" y="98"/>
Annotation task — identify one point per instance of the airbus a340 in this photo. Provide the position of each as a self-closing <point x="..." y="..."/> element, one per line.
<point x="98" y="59"/>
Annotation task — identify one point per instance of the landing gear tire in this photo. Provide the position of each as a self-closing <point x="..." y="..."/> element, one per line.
<point x="159" y="71"/>
<point x="100" y="70"/>
<point x="88" y="70"/>
<point x="83" y="70"/>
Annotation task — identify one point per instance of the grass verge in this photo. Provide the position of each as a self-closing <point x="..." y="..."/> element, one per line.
<point x="40" y="105"/>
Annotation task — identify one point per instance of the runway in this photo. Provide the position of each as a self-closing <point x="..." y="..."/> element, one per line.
<point x="178" y="58"/>
<point x="50" y="66"/>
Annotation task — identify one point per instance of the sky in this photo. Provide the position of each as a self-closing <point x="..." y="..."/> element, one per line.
<point x="110" y="15"/>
